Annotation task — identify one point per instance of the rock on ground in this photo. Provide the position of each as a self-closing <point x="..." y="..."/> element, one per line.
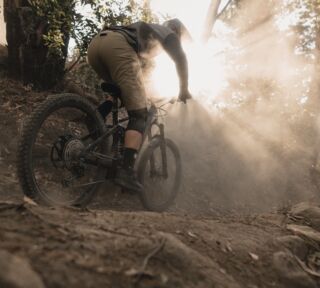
<point x="16" y="272"/>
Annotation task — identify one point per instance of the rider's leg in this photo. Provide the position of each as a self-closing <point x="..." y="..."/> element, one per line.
<point x="132" y="143"/>
<point x="133" y="139"/>
<point x="133" y="136"/>
<point x="94" y="59"/>
<point x="122" y="63"/>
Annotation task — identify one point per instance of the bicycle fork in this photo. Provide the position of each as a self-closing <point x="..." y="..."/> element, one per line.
<point x="163" y="151"/>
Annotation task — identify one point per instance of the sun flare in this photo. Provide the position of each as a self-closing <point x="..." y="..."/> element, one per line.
<point x="206" y="73"/>
<point x="191" y="13"/>
<point x="206" y="67"/>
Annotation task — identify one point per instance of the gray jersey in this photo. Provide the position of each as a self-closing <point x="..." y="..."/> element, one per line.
<point x="143" y="38"/>
<point x="141" y="35"/>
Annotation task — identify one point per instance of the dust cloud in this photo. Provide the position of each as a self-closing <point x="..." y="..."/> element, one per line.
<point x="247" y="145"/>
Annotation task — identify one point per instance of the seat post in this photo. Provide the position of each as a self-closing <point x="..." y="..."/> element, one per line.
<point x="115" y="111"/>
<point x="115" y="123"/>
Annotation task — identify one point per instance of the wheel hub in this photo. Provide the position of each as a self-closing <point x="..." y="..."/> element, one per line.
<point x="72" y="151"/>
<point x="66" y="151"/>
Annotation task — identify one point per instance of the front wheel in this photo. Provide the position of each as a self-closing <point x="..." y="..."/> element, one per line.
<point x="160" y="171"/>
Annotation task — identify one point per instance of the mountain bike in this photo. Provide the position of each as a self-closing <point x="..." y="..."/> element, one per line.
<point x="66" y="151"/>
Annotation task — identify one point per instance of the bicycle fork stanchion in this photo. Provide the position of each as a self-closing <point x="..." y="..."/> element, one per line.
<point x="152" y="161"/>
<point x="150" y="121"/>
<point x="163" y="152"/>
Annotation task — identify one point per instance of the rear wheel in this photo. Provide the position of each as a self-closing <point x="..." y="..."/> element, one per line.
<point x="161" y="179"/>
<point x="50" y="168"/>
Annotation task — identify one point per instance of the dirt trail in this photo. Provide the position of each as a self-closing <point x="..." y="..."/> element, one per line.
<point x="105" y="247"/>
<point x="73" y="248"/>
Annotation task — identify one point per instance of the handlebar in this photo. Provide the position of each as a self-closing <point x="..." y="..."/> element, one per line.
<point x="168" y="101"/>
<point x="164" y="100"/>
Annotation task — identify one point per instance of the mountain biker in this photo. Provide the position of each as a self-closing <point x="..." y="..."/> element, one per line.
<point x="115" y="55"/>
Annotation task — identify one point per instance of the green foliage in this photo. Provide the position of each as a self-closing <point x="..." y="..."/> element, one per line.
<point x="305" y="21"/>
<point x="89" y="17"/>
<point x="106" y="13"/>
<point x="304" y="16"/>
<point x="82" y="19"/>
<point x="57" y="16"/>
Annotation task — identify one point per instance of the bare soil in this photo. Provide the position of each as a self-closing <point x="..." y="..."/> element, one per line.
<point x="114" y="243"/>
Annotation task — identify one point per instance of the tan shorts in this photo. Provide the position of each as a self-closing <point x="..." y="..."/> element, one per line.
<point x="115" y="61"/>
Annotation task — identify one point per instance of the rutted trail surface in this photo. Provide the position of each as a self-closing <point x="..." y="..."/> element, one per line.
<point x="73" y="248"/>
<point x="190" y="247"/>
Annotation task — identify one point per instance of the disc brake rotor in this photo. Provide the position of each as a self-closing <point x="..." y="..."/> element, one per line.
<point x="71" y="152"/>
<point x="66" y="151"/>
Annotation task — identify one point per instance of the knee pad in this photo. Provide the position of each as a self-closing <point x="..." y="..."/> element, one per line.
<point x="138" y="120"/>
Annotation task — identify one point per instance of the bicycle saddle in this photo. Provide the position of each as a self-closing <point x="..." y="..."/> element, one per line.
<point x="112" y="89"/>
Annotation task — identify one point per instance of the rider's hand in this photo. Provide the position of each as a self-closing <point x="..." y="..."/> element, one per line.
<point x="184" y="95"/>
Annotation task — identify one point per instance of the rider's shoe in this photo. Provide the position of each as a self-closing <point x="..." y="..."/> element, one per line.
<point x="126" y="178"/>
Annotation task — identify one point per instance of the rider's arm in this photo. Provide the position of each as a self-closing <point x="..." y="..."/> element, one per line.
<point x="172" y="46"/>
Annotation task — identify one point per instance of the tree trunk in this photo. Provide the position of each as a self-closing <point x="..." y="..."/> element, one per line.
<point x="13" y="33"/>
<point x="210" y="19"/>
<point x="29" y="59"/>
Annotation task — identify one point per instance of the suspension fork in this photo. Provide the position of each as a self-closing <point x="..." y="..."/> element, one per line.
<point x="163" y="151"/>
<point x="152" y="160"/>
<point x="150" y="123"/>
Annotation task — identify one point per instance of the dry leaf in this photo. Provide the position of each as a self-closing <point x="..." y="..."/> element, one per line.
<point x="29" y="201"/>
<point x="254" y="256"/>
<point x="192" y="234"/>
<point x="134" y="272"/>
<point x="228" y="246"/>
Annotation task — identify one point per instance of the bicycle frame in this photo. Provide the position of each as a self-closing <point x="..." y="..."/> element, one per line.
<point x="109" y="160"/>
